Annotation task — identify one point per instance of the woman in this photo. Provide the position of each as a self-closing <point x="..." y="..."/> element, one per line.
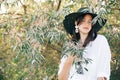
<point x="81" y="26"/>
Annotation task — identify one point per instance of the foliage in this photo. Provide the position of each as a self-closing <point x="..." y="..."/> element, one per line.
<point x="32" y="36"/>
<point x="74" y="48"/>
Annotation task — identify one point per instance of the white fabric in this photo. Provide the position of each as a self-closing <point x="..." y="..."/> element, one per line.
<point x="97" y="50"/>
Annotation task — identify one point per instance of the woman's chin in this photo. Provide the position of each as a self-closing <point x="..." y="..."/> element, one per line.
<point x="85" y="32"/>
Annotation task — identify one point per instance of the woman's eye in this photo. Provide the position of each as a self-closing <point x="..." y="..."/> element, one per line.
<point x="83" y="20"/>
<point x="89" y="22"/>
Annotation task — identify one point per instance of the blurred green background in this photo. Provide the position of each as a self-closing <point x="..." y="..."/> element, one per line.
<point x="32" y="35"/>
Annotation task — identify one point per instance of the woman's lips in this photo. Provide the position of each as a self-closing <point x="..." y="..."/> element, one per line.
<point x="85" y="28"/>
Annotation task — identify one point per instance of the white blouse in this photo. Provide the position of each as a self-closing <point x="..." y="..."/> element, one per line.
<point x="97" y="50"/>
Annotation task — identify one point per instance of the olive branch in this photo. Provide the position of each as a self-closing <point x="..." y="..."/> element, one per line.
<point x="74" y="48"/>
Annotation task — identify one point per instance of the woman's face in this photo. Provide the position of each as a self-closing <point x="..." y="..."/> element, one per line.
<point x="86" y="24"/>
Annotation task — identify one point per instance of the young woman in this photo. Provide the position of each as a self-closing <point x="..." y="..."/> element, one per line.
<point x="80" y="26"/>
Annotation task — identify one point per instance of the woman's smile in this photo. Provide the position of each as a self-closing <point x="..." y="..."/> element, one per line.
<point x="86" y="28"/>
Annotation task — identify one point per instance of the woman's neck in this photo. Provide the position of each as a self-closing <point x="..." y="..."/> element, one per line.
<point x="83" y="37"/>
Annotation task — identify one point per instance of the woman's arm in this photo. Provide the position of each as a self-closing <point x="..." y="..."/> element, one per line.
<point x="66" y="68"/>
<point x="104" y="60"/>
<point x="101" y="78"/>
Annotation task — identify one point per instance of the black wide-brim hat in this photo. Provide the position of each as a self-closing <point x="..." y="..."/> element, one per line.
<point x="69" y="21"/>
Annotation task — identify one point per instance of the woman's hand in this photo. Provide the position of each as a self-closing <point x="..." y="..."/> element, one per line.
<point x="66" y="68"/>
<point x="101" y="78"/>
<point x="70" y="59"/>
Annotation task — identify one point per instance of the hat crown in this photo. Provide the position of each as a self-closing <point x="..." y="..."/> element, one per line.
<point x="85" y="10"/>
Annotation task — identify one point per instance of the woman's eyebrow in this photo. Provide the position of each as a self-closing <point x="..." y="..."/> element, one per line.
<point x="89" y="19"/>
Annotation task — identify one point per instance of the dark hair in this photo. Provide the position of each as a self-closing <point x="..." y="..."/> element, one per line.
<point x="91" y="35"/>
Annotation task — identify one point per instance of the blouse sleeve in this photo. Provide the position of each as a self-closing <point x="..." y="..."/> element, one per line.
<point x="104" y="61"/>
<point x="64" y="55"/>
<point x="62" y="63"/>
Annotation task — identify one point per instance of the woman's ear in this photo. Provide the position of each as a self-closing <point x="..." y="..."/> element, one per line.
<point x="75" y="23"/>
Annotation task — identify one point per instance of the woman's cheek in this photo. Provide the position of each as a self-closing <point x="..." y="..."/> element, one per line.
<point x="80" y="27"/>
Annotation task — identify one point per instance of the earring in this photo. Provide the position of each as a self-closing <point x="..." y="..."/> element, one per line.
<point x="76" y="29"/>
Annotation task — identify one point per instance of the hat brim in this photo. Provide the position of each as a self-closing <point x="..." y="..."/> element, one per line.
<point x="69" y="22"/>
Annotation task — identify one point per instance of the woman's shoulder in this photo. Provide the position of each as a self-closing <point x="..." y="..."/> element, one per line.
<point x="101" y="37"/>
<point x="100" y="41"/>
